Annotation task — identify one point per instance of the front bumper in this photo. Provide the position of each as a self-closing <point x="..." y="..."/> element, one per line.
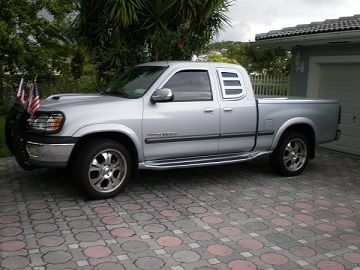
<point x="48" y="155"/>
<point x="35" y="150"/>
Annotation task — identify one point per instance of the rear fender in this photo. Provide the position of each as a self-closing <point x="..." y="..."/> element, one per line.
<point x="288" y="124"/>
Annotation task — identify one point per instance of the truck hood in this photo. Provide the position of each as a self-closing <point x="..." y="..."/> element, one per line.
<point x="66" y="101"/>
<point x="83" y="110"/>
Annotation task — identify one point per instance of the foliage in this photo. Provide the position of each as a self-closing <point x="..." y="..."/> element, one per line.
<point x="66" y="84"/>
<point x="255" y="59"/>
<point x="41" y="38"/>
<point x="4" y="109"/>
<point x="121" y="33"/>
<point x="218" y="57"/>
<point x="37" y="39"/>
<point x="4" y="152"/>
<point x="33" y="42"/>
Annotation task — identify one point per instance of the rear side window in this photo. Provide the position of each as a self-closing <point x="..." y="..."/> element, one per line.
<point x="190" y="85"/>
<point x="232" y="84"/>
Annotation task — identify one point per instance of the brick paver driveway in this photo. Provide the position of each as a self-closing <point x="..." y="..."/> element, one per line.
<point x="238" y="216"/>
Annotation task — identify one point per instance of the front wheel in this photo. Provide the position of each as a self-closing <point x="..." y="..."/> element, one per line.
<point x="291" y="155"/>
<point x="102" y="168"/>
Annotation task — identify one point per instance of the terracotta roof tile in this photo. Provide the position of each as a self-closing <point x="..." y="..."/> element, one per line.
<point x="332" y="25"/>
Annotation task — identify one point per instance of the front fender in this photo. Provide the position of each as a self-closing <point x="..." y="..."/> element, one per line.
<point x="111" y="127"/>
<point x="289" y="123"/>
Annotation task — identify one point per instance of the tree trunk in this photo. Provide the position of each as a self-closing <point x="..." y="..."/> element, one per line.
<point x="156" y="52"/>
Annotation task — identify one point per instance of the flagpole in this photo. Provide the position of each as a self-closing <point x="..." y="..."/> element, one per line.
<point x="21" y="83"/>
<point x="34" y="99"/>
<point x="21" y="92"/>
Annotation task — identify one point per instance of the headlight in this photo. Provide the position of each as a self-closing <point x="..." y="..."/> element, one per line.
<point x="47" y="123"/>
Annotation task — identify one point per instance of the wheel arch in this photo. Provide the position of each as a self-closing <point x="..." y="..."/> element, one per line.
<point x="301" y="125"/>
<point x="117" y="136"/>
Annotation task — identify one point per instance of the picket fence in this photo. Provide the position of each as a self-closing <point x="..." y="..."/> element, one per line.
<point x="267" y="85"/>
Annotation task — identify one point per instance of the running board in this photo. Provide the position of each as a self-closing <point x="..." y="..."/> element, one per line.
<point x="191" y="162"/>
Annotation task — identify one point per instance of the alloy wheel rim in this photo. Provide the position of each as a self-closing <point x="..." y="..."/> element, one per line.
<point x="107" y="170"/>
<point x="295" y="155"/>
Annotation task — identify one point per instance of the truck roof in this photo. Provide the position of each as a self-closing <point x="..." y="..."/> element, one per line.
<point x="189" y="63"/>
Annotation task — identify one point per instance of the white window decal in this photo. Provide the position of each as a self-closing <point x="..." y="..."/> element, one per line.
<point x="232" y="84"/>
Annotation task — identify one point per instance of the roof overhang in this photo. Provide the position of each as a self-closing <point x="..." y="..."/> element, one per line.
<point x="287" y="43"/>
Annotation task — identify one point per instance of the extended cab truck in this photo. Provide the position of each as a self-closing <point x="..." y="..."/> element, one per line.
<point x="167" y="115"/>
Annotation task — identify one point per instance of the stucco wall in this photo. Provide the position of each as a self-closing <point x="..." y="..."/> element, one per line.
<point x="298" y="81"/>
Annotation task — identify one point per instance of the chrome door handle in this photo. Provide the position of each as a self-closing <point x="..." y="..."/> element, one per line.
<point x="209" y="110"/>
<point x="228" y="109"/>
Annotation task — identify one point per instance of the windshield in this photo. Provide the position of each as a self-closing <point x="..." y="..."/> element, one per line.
<point x="135" y="82"/>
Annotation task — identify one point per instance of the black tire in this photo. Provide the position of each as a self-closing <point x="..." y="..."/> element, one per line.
<point x="290" y="163"/>
<point x="102" y="173"/>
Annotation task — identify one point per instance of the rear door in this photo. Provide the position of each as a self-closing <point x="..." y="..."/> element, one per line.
<point x="238" y="115"/>
<point x="188" y="126"/>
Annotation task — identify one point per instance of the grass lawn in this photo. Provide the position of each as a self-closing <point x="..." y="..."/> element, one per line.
<point x="4" y="152"/>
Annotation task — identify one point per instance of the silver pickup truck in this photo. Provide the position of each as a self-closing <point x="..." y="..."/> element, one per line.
<point x="167" y="115"/>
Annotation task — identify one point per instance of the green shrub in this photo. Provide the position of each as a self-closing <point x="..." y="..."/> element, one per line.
<point x="4" y="109"/>
<point x="4" y="152"/>
<point x="86" y="84"/>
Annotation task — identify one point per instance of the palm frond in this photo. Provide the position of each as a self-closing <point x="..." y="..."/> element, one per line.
<point x="124" y="12"/>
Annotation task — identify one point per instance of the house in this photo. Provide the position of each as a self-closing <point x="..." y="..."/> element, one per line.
<point x="325" y="64"/>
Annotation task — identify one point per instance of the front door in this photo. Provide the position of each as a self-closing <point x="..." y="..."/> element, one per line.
<point x="187" y="126"/>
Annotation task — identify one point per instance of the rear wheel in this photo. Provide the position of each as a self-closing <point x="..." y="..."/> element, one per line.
<point x="291" y="155"/>
<point x="103" y="167"/>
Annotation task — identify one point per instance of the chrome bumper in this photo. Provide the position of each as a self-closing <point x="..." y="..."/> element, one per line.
<point x="49" y="153"/>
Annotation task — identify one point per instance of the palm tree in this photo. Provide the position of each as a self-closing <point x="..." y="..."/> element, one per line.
<point x="123" y="32"/>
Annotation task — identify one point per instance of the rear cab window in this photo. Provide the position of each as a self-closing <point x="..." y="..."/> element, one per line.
<point x="232" y="83"/>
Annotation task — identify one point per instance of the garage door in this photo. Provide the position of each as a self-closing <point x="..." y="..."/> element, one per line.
<point x="342" y="82"/>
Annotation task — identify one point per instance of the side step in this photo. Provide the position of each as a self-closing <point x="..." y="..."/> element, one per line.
<point x="191" y="162"/>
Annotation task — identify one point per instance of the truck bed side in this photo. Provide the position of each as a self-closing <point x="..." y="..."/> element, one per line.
<point x="279" y="114"/>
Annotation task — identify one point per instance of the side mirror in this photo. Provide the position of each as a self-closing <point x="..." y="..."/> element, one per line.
<point x="162" y="95"/>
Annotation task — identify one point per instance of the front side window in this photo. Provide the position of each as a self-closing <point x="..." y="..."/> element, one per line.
<point x="190" y="85"/>
<point x="135" y="82"/>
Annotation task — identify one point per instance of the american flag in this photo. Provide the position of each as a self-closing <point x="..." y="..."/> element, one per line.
<point x="34" y="100"/>
<point x="21" y="92"/>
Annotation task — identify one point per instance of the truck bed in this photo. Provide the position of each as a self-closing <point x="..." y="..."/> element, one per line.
<point x="277" y="113"/>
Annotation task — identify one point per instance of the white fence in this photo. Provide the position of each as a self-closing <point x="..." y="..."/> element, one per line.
<point x="265" y="85"/>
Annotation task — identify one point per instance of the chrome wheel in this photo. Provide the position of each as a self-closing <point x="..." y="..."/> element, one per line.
<point x="107" y="171"/>
<point x="295" y="155"/>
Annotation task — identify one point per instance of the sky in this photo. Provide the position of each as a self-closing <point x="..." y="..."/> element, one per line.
<point x="248" y="18"/>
